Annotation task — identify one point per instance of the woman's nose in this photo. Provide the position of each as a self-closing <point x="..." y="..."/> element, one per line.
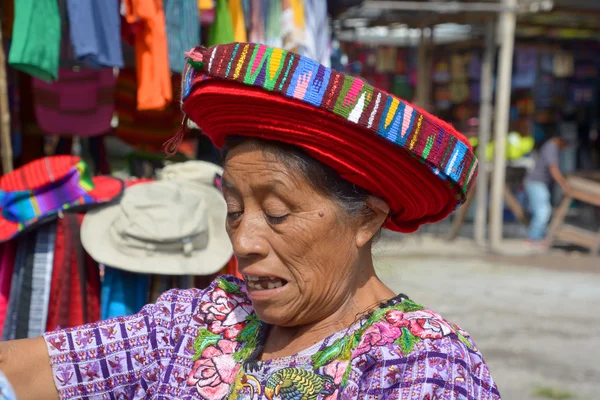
<point x="248" y="237"/>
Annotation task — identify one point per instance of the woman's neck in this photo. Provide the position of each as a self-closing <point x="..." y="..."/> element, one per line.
<point x="287" y="341"/>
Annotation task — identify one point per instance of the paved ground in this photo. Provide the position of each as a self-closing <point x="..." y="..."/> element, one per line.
<point x="536" y="319"/>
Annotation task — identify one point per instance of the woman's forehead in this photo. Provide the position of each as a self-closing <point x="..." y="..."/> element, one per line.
<point x="261" y="172"/>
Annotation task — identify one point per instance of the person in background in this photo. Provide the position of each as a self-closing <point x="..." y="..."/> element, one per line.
<point x="537" y="185"/>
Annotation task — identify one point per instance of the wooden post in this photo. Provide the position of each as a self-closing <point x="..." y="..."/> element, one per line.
<point x="461" y="215"/>
<point x="5" y="142"/>
<point x="503" y="86"/>
<point x="425" y="61"/>
<point x="485" y="127"/>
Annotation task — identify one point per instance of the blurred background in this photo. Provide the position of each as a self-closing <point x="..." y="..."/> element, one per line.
<point x="100" y="80"/>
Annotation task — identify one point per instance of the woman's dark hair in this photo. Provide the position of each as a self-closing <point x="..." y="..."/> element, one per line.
<point x="324" y="179"/>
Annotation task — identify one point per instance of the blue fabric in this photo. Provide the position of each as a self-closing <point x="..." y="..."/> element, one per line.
<point x="6" y="390"/>
<point x="183" y="30"/>
<point x="539" y="203"/>
<point x="95" y="30"/>
<point x="123" y="293"/>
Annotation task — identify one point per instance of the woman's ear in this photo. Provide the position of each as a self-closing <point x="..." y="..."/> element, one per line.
<point x="378" y="211"/>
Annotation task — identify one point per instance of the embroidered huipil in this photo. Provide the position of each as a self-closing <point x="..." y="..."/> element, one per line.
<point x="191" y="344"/>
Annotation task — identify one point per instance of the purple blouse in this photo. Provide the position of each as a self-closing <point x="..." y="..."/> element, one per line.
<point x="191" y="344"/>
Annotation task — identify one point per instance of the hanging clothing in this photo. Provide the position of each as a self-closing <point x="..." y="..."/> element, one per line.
<point x="43" y="261"/>
<point x="146" y="129"/>
<point x="95" y="30"/>
<point x="75" y="289"/>
<point x="8" y="251"/>
<point x="257" y="28"/>
<point x="35" y="45"/>
<point x="236" y="11"/>
<point x="20" y="290"/>
<point x="273" y="24"/>
<point x="292" y="26"/>
<point x="123" y="293"/>
<point x="318" y="37"/>
<point x="151" y="54"/>
<point x="206" y="5"/>
<point x="221" y="31"/>
<point x="183" y="30"/>
<point x="80" y="103"/>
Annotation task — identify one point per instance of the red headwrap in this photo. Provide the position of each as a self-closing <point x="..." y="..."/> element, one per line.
<point x="420" y="165"/>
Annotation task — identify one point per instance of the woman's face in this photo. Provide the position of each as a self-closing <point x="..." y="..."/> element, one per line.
<point x="296" y="248"/>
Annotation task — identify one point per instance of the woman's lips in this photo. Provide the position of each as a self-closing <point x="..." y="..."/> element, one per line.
<point x="262" y="287"/>
<point x="263" y="282"/>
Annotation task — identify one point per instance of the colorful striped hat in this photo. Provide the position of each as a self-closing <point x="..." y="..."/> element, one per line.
<point x="39" y="191"/>
<point x="419" y="164"/>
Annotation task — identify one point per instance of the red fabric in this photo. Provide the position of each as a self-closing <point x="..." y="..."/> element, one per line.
<point x="8" y="251"/>
<point x="232" y="268"/>
<point x="43" y="174"/>
<point x="66" y="301"/>
<point x="225" y="109"/>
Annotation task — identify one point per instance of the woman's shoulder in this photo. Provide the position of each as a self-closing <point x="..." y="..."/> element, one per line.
<point x="410" y="344"/>
<point x="408" y="327"/>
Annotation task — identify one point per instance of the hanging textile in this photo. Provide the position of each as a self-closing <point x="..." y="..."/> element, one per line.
<point x="14" y="104"/>
<point x="20" y="290"/>
<point x="80" y="103"/>
<point x="8" y="252"/>
<point x="206" y="5"/>
<point x="293" y="26"/>
<point x="151" y="54"/>
<point x="257" y="26"/>
<point x="318" y="37"/>
<point x="36" y="38"/>
<point x="75" y="289"/>
<point x="207" y="11"/>
<point x="221" y="31"/>
<point x="273" y="24"/>
<point x="183" y="30"/>
<point x="236" y="11"/>
<point x="526" y="66"/>
<point x="95" y="31"/>
<point x="247" y="10"/>
<point x="564" y="64"/>
<point x="146" y="129"/>
<point x="43" y="260"/>
<point x="123" y="293"/>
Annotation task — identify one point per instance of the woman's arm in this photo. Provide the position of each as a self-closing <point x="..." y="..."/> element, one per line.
<point x="26" y="364"/>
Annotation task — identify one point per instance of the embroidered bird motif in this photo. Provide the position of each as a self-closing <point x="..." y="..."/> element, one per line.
<point x="58" y="343"/>
<point x="109" y="332"/>
<point x="298" y="384"/>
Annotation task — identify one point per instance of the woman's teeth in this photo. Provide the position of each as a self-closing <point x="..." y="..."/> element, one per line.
<point x="263" y="283"/>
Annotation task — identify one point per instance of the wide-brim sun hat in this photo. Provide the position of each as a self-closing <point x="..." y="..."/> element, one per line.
<point x="162" y="227"/>
<point x="39" y="191"/>
<point x="421" y="166"/>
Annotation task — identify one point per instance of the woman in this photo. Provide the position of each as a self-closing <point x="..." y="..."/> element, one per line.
<point x="316" y="163"/>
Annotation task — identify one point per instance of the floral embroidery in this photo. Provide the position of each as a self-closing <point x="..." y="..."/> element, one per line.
<point x="215" y="371"/>
<point x="379" y="334"/>
<point x="193" y="344"/>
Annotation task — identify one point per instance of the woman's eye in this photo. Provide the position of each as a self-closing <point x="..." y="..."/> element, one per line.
<point x="276" y="220"/>
<point x="232" y="216"/>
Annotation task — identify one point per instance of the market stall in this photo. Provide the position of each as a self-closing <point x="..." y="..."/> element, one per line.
<point x="87" y="99"/>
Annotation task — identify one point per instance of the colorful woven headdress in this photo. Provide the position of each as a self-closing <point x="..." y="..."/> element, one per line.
<point x="419" y="164"/>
